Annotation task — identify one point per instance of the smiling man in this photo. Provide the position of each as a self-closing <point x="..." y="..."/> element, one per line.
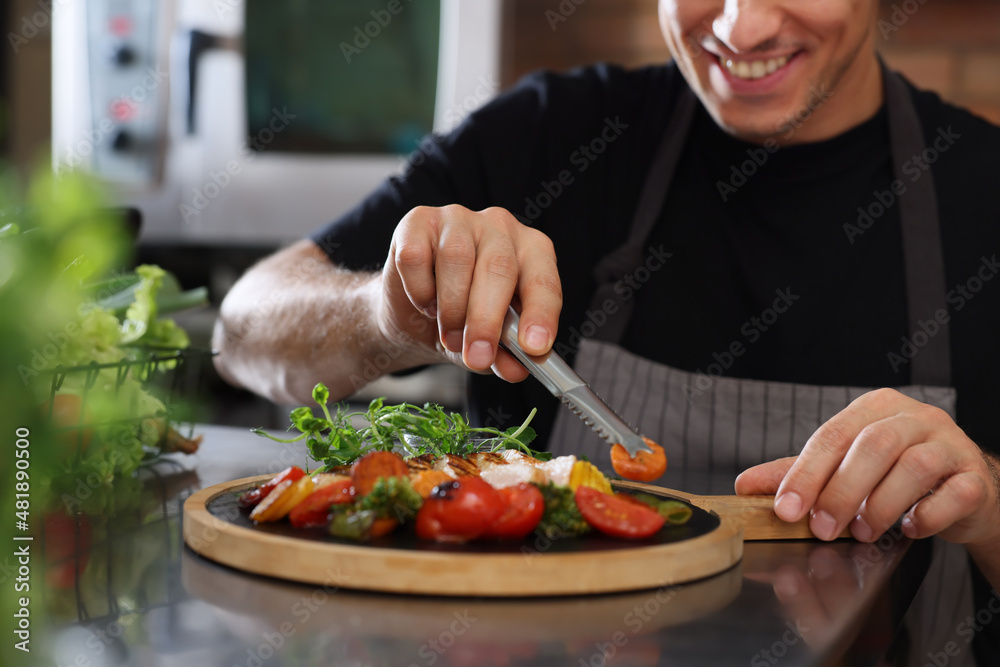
<point x="760" y="249"/>
<point x="755" y="65"/>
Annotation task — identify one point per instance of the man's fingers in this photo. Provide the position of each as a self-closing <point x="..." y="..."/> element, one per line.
<point x="918" y="470"/>
<point x="870" y="458"/>
<point x="493" y="284"/>
<point x="463" y="268"/>
<point x="825" y="450"/>
<point x="763" y="479"/>
<point x="947" y="506"/>
<point x="540" y="292"/>
<point x="454" y="266"/>
<point x="412" y="256"/>
<point x="508" y="368"/>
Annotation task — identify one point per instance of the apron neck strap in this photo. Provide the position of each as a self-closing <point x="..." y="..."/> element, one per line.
<point x="922" y="252"/>
<point x="613" y="266"/>
<point x="923" y="256"/>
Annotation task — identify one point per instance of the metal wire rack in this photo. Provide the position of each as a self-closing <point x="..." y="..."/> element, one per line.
<point x="173" y="372"/>
<point x="126" y="558"/>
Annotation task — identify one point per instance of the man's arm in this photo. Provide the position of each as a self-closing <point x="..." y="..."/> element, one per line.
<point x="296" y="319"/>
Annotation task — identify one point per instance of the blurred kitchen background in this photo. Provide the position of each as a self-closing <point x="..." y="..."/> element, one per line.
<point x="177" y="106"/>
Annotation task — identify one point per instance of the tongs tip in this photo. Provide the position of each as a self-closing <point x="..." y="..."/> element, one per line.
<point x="635" y="444"/>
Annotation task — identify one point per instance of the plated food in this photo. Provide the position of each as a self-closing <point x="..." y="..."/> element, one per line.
<point x="446" y="487"/>
<point x="486" y="496"/>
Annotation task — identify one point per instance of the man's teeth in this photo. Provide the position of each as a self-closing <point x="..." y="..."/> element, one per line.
<point x="755" y="69"/>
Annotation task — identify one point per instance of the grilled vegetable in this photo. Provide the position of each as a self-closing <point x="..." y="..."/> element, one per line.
<point x="373" y="466"/>
<point x="392" y="497"/>
<point x="390" y="502"/>
<point x="254" y="496"/>
<point x="673" y="511"/>
<point x="425" y="481"/>
<point x="585" y="473"/>
<point x="352" y="525"/>
<point x="316" y="510"/>
<point x="645" y="467"/>
<point x="562" y="517"/>
<point x="282" y="499"/>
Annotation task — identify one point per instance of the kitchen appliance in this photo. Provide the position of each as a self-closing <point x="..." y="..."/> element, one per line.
<point x="253" y="122"/>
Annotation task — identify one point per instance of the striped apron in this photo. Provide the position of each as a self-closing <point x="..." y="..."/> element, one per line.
<point x="719" y="424"/>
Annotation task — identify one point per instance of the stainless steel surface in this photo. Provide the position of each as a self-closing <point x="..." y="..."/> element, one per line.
<point x="144" y="599"/>
<point x="562" y="381"/>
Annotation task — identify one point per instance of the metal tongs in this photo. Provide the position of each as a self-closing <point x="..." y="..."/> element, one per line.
<point x="552" y="371"/>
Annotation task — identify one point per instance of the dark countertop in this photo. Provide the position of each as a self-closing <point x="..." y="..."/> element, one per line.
<point x="146" y="599"/>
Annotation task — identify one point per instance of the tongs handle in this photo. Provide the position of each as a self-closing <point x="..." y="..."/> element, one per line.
<point x="562" y="381"/>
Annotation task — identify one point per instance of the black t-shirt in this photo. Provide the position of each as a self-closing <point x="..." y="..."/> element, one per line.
<point x="568" y="153"/>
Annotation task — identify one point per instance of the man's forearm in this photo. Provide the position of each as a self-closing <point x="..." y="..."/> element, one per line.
<point x="295" y="319"/>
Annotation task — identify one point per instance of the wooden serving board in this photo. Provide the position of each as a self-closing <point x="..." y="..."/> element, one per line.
<point x="215" y="527"/>
<point x="755" y="514"/>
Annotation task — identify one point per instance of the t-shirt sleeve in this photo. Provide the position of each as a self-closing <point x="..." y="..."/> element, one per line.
<point x="458" y="168"/>
<point x="495" y="156"/>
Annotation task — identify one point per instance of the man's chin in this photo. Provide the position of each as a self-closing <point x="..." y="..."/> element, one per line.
<point x="755" y="128"/>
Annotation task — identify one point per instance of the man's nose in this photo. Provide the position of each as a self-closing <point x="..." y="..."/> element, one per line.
<point x="747" y="24"/>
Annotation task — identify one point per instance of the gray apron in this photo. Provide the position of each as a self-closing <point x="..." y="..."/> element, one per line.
<point x="714" y="424"/>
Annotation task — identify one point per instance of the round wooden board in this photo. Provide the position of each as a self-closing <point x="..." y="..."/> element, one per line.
<point x="401" y="564"/>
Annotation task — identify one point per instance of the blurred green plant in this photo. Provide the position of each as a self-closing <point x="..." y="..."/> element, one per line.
<point x="65" y="302"/>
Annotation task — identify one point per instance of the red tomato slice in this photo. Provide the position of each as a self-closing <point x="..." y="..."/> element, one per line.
<point x="315" y="510"/>
<point x="369" y="468"/>
<point x="523" y="511"/>
<point x="616" y="517"/>
<point x="459" y="511"/>
<point x="630" y="499"/>
<point x="254" y="496"/>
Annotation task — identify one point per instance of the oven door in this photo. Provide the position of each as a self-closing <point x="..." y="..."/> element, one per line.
<point x="152" y="97"/>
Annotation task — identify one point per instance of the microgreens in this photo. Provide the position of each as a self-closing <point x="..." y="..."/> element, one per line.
<point x="334" y="441"/>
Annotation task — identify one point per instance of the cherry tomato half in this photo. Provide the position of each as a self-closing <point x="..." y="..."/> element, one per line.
<point x="367" y="470"/>
<point x="254" y="496"/>
<point x="616" y="517"/>
<point x="315" y="510"/>
<point x="523" y="511"/>
<point x="645" y="467"/>
<point x="459" y="511"/>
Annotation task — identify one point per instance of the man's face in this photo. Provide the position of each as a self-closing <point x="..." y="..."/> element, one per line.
<point x="795" y="70"/>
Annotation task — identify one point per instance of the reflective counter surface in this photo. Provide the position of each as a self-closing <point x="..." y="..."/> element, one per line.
<point x="143" y="598"/>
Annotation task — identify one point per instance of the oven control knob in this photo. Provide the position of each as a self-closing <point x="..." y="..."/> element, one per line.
<point x="123" y="55"/>
<point x="122" y="141"/>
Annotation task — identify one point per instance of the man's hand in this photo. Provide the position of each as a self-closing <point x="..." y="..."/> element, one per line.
<point x="883" y="456"/>
<point x="461" y="269"/>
